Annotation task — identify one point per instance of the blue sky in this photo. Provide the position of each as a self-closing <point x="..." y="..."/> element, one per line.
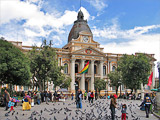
<point x="120" y="26"/>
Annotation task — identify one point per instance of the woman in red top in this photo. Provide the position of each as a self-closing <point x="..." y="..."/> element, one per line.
<point x="92" y="97"/>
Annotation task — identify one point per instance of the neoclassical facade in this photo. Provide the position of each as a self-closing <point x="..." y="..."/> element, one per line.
<point x="80" y="49"/>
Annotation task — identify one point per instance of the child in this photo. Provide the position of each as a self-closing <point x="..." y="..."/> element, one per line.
<point x="124" y="109"/>
<point x="11" y="104"/>
<point x="16" y="98"/>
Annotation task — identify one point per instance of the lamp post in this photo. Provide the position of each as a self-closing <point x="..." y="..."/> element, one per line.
<point x="75" y="84"/>
<point x="158" y="66"/>
<point x="120" y="87"/>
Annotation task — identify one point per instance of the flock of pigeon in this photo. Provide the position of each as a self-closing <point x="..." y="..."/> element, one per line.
<point x="99" y="110"/>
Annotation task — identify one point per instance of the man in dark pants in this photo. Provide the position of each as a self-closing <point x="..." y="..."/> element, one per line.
<point x="6" y="99"/>
<point x="147" y="102"/>
<point x="42" y="96"/>
<point x="113" y="106"/>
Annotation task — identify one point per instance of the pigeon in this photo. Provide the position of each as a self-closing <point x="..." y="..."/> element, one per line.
<point x="41" y="112"/>
<point x="66" y="118"/>
<point x="16" y="117"/>
<point x="13" y="112"/>
<point x="7" y="114"/>
<point x="45" y="109"/>
<point x="35" y="118"/>
<point x="51" y="113"/>
<point x="55" y="118"/>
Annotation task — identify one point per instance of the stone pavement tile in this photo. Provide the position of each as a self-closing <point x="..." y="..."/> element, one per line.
<point x="61" y="110"/>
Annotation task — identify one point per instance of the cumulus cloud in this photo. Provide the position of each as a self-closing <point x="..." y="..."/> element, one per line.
<point x="98" y="4"/>
<point x="114" y="31"/>
<point x="37" y="23"/>
<point x="141" y="44"/>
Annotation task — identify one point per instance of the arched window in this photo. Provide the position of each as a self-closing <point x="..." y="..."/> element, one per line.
<point x="104" y="70"/>
<point x="113" y="68"/>
<point x="76" y="68"/>
<point x="95" y="69"/>
<point x="66" y="68"/>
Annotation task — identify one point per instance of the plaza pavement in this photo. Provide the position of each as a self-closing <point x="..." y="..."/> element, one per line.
<point x="67" y="110"/>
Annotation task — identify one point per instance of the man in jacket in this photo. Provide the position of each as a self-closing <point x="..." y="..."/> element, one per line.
<point x="147" y="102"/>
<point x="6" y="99"/>
<point x="113" y="106"/>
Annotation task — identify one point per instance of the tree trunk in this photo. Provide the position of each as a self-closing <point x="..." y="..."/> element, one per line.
<point x="116" y="90"/>
<point x="131" y="90"/>
<point x="136" y="94"/>
<point x="40" y="87"/>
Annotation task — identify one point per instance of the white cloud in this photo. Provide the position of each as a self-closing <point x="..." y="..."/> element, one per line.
<point x="114" y="31"/>
<point x="85" y="13"/>
<point x="98" y="4"/>
<point x="36" y="21"/>
<point x="56" y="40"/>
<point x="144" y="44"/>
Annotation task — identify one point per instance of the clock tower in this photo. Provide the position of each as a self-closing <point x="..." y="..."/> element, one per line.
<point x="80" y="35"/>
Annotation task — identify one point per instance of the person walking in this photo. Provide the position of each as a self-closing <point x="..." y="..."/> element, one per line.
<point x="85" y="95"/>
<point x="147" y="102"/>
<point x="113" y="104"/>
<point x="96" y="95"/>
<point x="46" y="97"/>
<point x="92" y="96"/>
<point x="124" y="111"/>
<point x="16" y="98"/>
<point x="50" y="96"/>
<point x="79" y="99"/>
<point x="6" y="99"/>
<point x="72" y="96"/>
<point x="38" y="98"/>
<point x="27" y="102"/>
<point x="55" y="96"/>
<point x="89" y="96"/>
<point x="42" y="96"/>
<point x="11" y="102"/>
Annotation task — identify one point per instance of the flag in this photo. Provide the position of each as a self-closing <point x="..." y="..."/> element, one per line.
<point x="150" y="79"/>
<point x="85" y="69"/>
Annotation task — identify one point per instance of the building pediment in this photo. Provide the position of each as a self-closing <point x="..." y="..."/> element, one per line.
<point x="88" y="51"/>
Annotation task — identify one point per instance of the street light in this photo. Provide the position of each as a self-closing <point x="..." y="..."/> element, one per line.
<point x="120" y="87"/>
<point x="158" y="66"/>
<point x="75" y="84"/>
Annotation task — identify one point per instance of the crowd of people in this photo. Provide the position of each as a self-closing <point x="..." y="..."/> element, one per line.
<point x="31" y="98"/>
<point x="147" y="102"/>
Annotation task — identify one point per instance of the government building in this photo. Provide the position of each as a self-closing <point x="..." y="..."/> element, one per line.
<point x="82" y="48"/>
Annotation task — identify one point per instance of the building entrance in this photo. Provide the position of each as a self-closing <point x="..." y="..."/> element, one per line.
<point x="86" y="86"/>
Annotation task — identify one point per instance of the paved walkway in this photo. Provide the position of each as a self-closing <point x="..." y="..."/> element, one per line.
<point x="99" y="110"/>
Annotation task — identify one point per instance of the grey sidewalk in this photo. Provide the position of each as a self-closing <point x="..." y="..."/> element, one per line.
<point x="58" y="110"/>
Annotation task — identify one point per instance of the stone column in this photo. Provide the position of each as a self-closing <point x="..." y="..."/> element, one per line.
<point x="108" y="67"/>
<point x="142" y="92"/>
<point x="72" y="73"/>
<point x="101" y="69"/>
<point x="92" y="75"/>
<point x="82" y="84"/>
<point x="153" y="79"/>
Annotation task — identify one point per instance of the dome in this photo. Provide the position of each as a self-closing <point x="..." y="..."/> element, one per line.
<point x="79" y="25"/>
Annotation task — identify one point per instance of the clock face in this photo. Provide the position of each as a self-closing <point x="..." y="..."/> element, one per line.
<point x="85" y="38"/>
